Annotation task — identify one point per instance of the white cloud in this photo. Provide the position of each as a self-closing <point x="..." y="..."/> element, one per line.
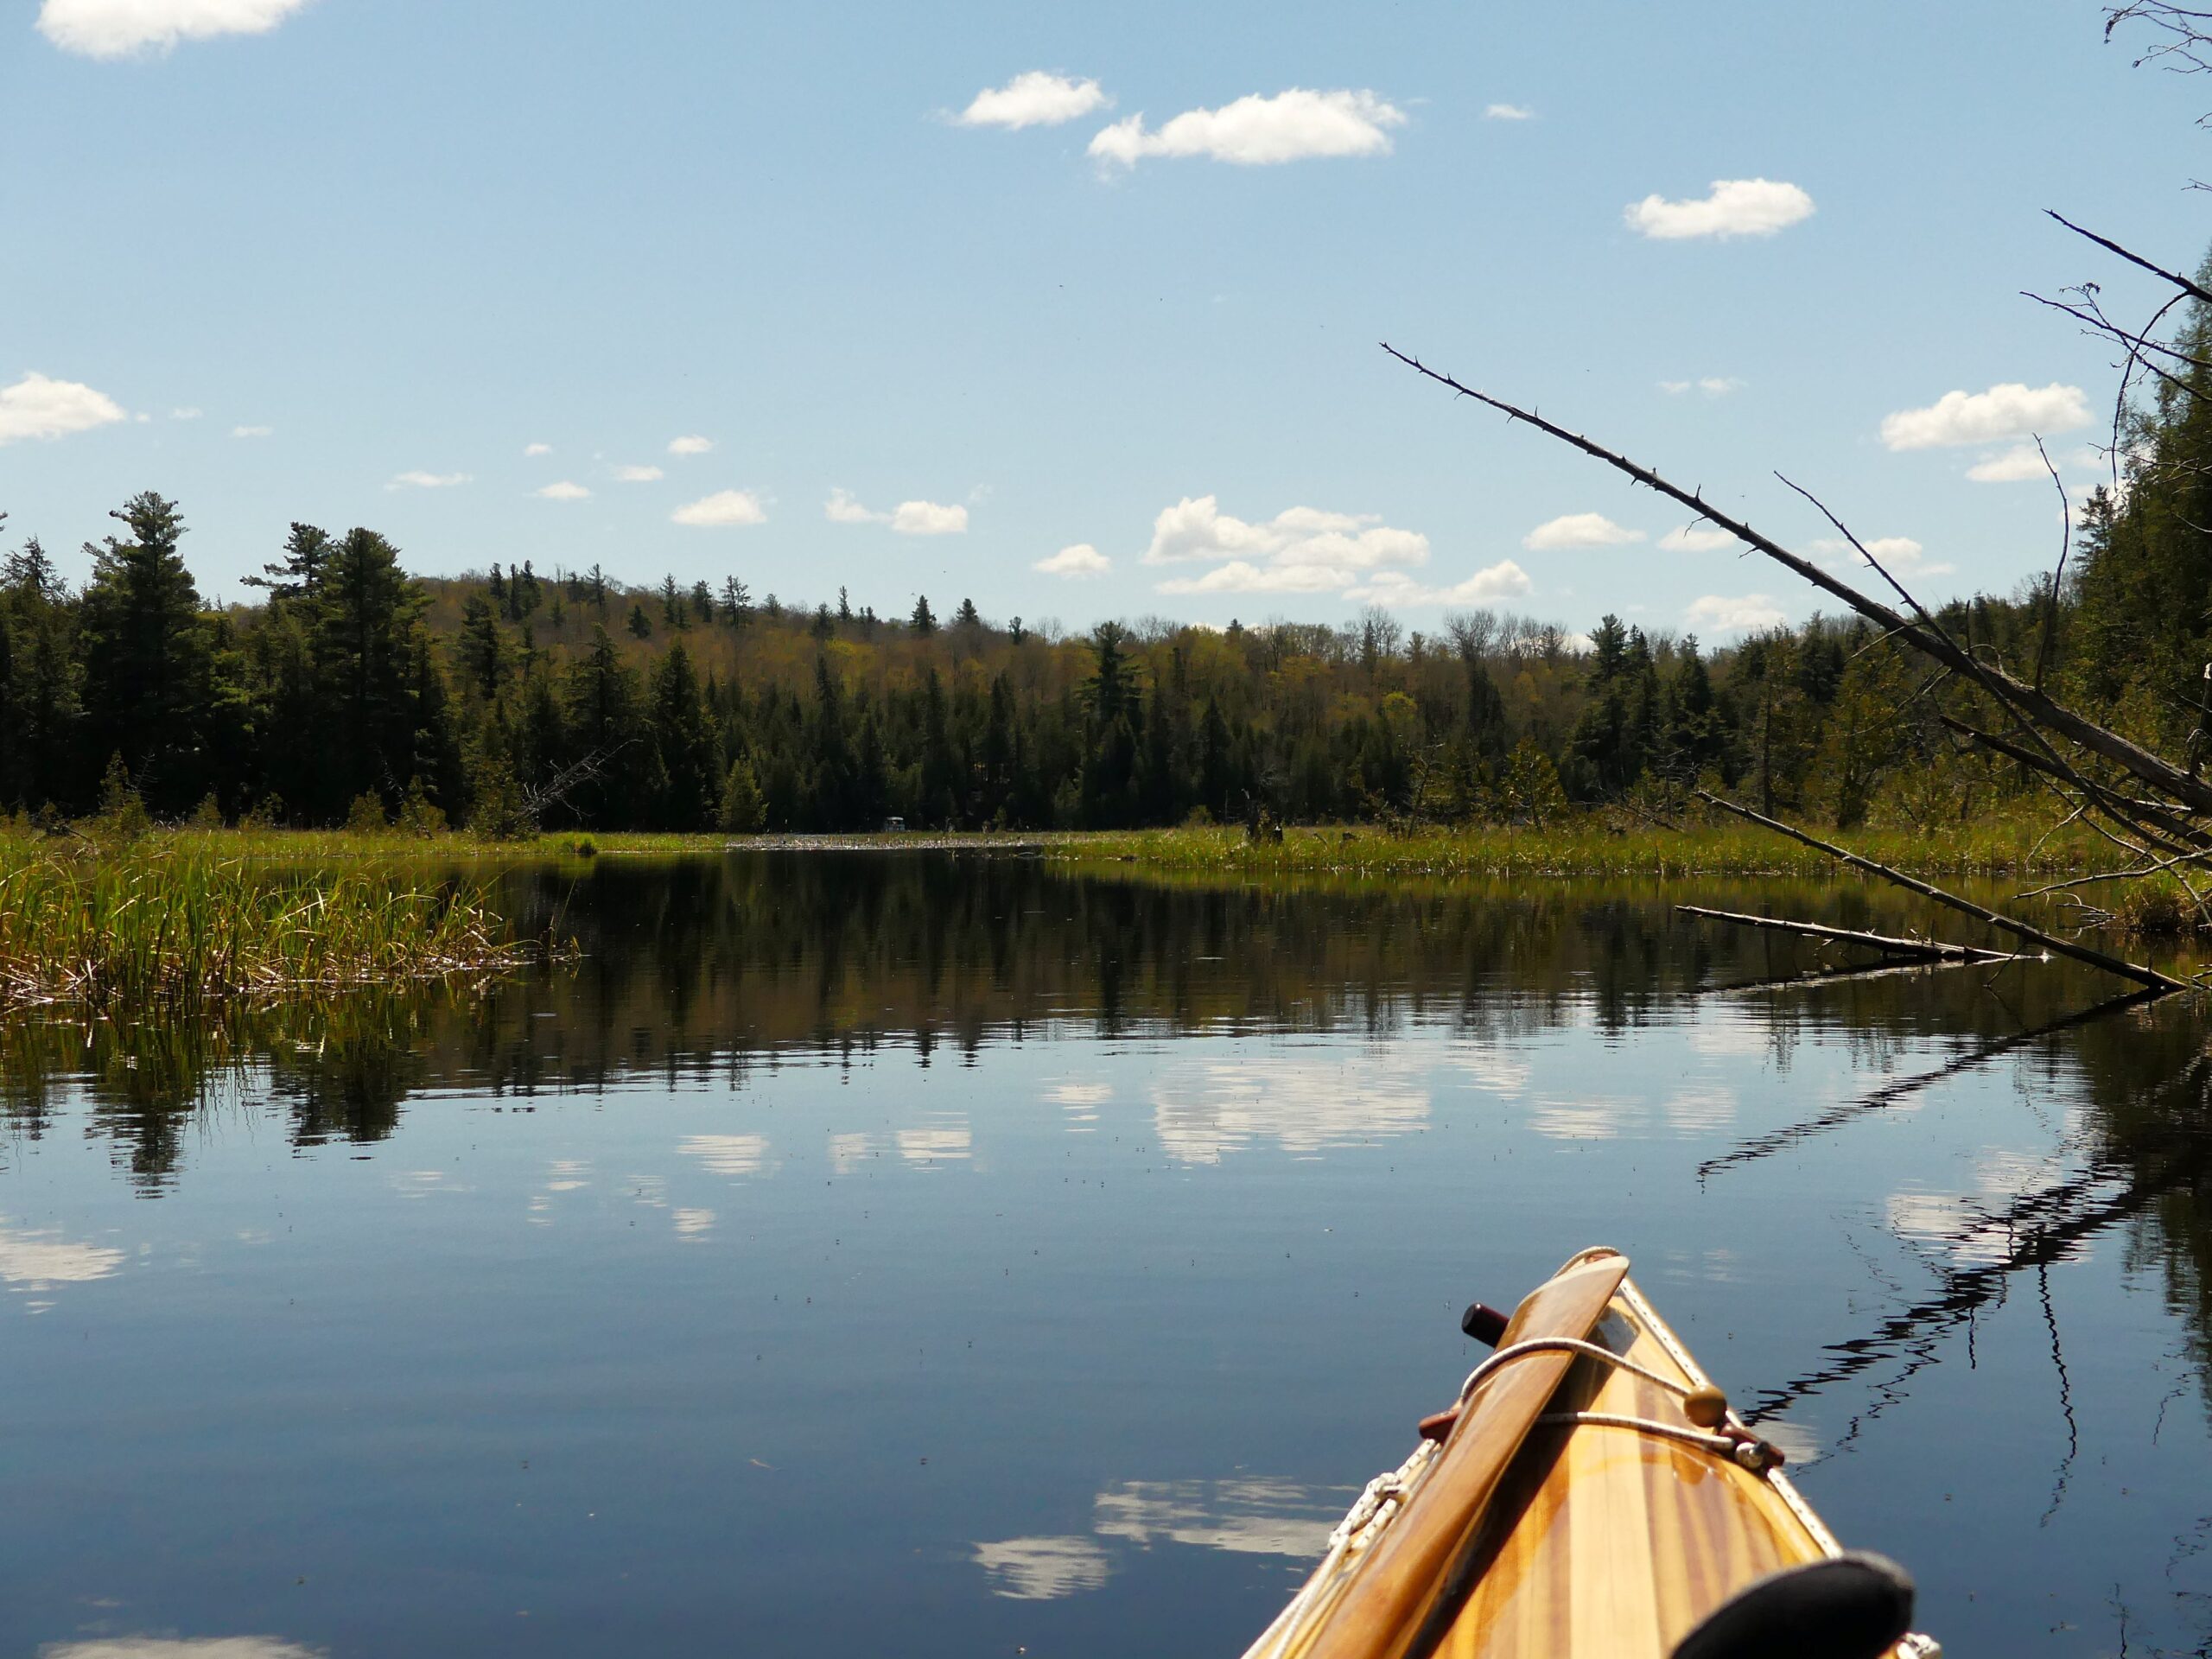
<point x="1717" y="613"/>
<point x="422" y="481"/>
<point x="566" y="490"/>
<point x="908" y="518"/>
<point x="534" y="449"/>
<point x="2022" y="461"/>
<point x="115" y="29"/>
<point x="1074" y="563"/>
<point x="1692" y="538"/>
<point x="1509" y="112"/>
<point x="1735" y="207"/>
<point x="36" y="407"/>
<point x="841" y="508"/>
<point x="2011" y="410"/>
<point x="694" y="445"/>
<point x="1504" y="580"/>
<point x="1713" y="385"/>
<point x="253" y="431"/>
<point x="638" y="475"/>
<point x="186" y="414"/>
<point x="1034" y="99"/>
<point x="1256" y="131"/>
<point x="1301" y="551"/>
<point x="1899" y="555"/>
<point x="721" y="509"/>
<point x="928" y="518"/>
<point x="1579" y="530"/>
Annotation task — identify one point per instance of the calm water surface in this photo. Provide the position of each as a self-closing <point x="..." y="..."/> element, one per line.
<point x="964" y="1255"/>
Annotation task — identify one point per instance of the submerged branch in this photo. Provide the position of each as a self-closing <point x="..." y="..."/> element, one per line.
<point x="1889" y="945"/>
<point x="2019" y="930"/>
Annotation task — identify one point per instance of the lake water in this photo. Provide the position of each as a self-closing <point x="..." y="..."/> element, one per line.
<point x="957" y="1254"/>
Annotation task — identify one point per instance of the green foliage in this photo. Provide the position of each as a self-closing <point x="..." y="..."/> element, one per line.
<point x="743" y="809"/>
<point x="157" y="921"/>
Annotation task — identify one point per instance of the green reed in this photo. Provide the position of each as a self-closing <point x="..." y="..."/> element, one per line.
<point x="1592" y="846"/>
<point x="168" y="919"/>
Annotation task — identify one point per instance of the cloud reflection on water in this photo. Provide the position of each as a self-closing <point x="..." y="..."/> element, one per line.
<point x="172" y="1647"/>
<point x="1249" y="1515"/>
<point x="1203" y="1110"/>
<point x="40" y="1260"/>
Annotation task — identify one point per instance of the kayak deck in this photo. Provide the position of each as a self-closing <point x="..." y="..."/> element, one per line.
<point x="1534" y="1531"/>
<point x="1614" y="1542"/>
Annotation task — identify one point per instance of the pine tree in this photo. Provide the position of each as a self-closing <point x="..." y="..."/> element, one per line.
<point x="146" y="653"/>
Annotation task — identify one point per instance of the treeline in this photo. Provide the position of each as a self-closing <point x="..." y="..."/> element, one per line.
<point x="512" y="700"/>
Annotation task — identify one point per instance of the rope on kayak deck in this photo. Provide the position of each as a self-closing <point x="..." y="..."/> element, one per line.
<point x="1705" y="1406"/>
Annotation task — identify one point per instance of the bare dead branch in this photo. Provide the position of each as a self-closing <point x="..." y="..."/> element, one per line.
<point x="2033" y="705"/>
<point x="2018" y="929"/>
<point x="2188" y="287"/>
<point x="2059" y="574"/>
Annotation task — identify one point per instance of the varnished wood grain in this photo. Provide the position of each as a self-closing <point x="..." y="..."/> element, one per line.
<point x="1386" y="1600"/>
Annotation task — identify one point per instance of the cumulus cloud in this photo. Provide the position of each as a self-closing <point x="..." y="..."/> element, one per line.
<point x="1074" y="563"/>
<point x="908" y="518"/>
<point x="1735" y="207"/>
<point x="928" y="518"/>
<point x="1301" y="551"/>
<point x="723" y="509"/>
<point x="422" y="481"/>
<point x="2011" y="410"/>
<point x="36" y="407"/>
<point x="566" y="490"/>
<point x="842" y="509"/>
<point x="1579" y="530"/>
<point x="1256" y="131"/>
<point x="253" y="431"/>
<point x="638" y="475"/>
<point x="2022" y="461"/>
<point x="1899" y="555"/>
<point x="537" y="449"/>
<point x="1717" y="613"/>
<point x="1504" y="580"/>
<point x="1713" y="385"/>
<point x="1509" y="112"/>
<point x="694" y="445"/>
<point x="1695" y="538"/>
<point x="117" y="29"/>
<point x="1034" y="99"/>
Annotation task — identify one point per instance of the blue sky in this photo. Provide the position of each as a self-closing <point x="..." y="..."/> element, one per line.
<point x="346" y="261"/>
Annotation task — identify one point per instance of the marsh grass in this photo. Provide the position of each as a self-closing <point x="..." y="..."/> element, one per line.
<point x="1585" y="847"/>
<point x="170" y="918"/>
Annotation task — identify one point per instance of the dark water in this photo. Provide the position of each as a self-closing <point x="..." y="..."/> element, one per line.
<point x="954" y="1255"/>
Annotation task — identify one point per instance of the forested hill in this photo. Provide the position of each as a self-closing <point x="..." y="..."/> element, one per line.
<point x="517" y="698"/>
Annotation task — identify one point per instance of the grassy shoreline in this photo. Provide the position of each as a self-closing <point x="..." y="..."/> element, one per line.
<point x="175" y="920"/>
<point x="1593" y="848"/>
<point x="191" y="916"/>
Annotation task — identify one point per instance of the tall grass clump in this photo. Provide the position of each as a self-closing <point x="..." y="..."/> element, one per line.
<point x="115" y="923"/>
